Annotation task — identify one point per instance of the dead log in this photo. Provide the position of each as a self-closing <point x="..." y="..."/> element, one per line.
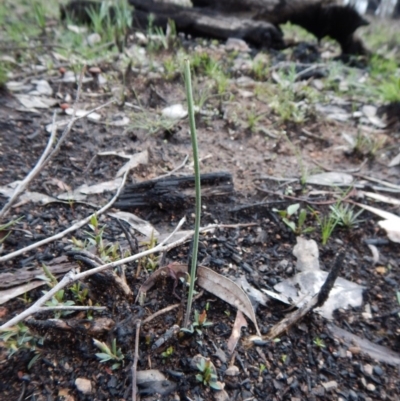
<point x="255" y="21"/>
<point x="174" y="192"/>
<point x="322" y="18"/>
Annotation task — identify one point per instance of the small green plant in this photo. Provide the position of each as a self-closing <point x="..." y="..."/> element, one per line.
<point x="196" y="164"/>
<point x="17" y="338"/>
<point x="58" y="299"/>
<point x="80" y="294"/>
<point x="122" y="23"/>
<point x="150" y="262"/>
<point x="5" y="229"/>
<point x="327" y="224"/>
<point x="367" y="146"/>
<point x="109" y="354"/>
<point x="253" y="119"/>
<point x="95" y="238"/>
<point x="283" y="358"/>
<point x="318" y="342"/>
<point x="346" y="215"/>
<point x="261" y="369"/>
<point x="167" y="353"/>
<point x="288" y="214"/>
<point x="40" y="16"/>
<point x="199" y="324"/>
<point x="207" y="374"/>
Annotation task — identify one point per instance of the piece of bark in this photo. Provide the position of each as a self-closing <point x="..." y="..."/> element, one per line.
<point x="174" y="192"/>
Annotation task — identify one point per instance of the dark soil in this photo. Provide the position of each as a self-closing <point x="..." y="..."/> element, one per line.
<point x="293" y="368"/>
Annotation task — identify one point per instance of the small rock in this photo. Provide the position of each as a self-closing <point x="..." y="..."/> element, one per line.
<point x="221" y="396"/>
<point x="83" y="385"/>
<point x="368" y="370"/>
<point x="93" y="39"/>
<point x="371" y="387"/>
<point x="239" y="45"/>
<point x="332" y="385"/>
<point x="174" y="112"/>
<point x="43" y="87"/>
<point x="232" y="371"/>
<point x="378" y="370"/>
<point x="318" y="84"/>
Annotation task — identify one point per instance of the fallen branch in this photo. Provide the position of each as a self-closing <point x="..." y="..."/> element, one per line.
<point x="74" y="227"/>
<point x="316" y="301"/>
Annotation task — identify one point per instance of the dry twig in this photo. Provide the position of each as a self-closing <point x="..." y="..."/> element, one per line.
<point x="135" y="361"/>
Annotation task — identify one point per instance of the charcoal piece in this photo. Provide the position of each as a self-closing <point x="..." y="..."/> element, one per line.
<point x="174" y="192"/>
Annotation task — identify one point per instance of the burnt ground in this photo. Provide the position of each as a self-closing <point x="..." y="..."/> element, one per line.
<point x="242" y="130"/>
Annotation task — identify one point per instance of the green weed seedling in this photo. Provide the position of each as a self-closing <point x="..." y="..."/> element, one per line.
<point x="95" y="237"/>
<point x="109" y="354"/>
<point x="261" y="369"/>
<point x="58" y="299"/>
<point x="328" y="224"/>
<point x="5" y="228"/>
<point x="346" y="215"/>
<point x="167" y="353"/>
<point x="207" y="374"/>
<point x="40" y="16"/>
<point x="17" y="338"/>
<point x="318" y="342"/>
<point x="199" y="324"/>
<point x="288" y="214"/>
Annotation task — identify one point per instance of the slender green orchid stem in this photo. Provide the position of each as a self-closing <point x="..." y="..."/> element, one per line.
<point x="192" y="125"/>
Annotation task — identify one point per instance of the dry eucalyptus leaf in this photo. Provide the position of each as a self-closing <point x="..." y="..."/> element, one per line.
<point x="391" y="224"/>
<point x="240" y="322"/>
<point x="134" y="161"/>
<point x="227" y="290"/>
<point x="143" y="226"/>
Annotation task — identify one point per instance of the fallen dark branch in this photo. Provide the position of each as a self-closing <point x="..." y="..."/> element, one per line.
<point x="255" y="21"/>
<point x="174" y="192"/>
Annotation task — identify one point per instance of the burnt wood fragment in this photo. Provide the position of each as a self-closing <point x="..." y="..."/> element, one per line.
<point x="255" y="21"/>
<point x="208" y="23"/>
<point x="174" y="192"/>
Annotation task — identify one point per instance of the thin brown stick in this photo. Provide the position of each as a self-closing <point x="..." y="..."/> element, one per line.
<point x="135" y="361"/>
<point x="74" y="227"/>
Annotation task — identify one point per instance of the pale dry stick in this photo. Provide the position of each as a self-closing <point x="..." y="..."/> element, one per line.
<point x="74" y="227"/>
<point x="135" y="361"/>
<point x="71" y="276"/>
<point x="175" y="169"/>
<point x="23" y="184"/>
<point x="168" y="309"/>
